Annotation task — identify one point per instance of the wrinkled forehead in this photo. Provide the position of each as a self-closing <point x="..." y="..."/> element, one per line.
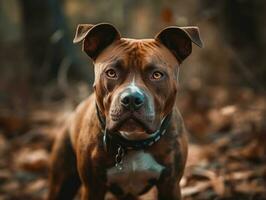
<point x="136" y="54"/>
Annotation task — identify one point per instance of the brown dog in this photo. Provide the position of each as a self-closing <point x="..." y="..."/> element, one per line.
<point x="128" y="135"/>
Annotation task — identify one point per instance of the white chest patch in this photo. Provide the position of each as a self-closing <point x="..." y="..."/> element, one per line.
<point x="137" y="169"/>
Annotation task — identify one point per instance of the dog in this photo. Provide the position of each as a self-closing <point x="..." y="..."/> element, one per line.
<point x="127" y="136"/>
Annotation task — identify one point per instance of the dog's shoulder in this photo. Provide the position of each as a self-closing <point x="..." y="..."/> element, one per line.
<point x="83" y="115"/>
<point x="178" y="122"/>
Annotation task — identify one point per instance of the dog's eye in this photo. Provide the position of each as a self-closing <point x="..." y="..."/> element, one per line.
<point x="157" y="75"/>
<point x="110" y="73"/>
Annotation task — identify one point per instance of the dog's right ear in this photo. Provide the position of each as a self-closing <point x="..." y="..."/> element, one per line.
<point x="96" y="37"/>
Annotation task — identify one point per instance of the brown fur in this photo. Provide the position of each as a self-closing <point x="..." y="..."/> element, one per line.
<point x="78" y="155"/>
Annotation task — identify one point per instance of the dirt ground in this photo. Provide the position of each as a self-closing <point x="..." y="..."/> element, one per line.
<point x="227" y="151"/>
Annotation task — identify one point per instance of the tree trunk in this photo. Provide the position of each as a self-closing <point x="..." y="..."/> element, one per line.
<point x="48" y="43"/>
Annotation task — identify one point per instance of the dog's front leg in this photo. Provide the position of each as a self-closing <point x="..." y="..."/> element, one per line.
<point x="91" y="193"/>
<point x="93" y="184"/>
<point x="93" y="189"/>
<point x="169" y="189"/>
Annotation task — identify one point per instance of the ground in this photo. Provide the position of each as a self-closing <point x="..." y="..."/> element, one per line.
<point x="227" y="151"/>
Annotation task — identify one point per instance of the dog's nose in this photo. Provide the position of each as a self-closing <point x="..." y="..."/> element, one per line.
<point x="132" y="100"/>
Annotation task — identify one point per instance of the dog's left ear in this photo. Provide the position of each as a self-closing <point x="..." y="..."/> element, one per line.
<point x="96" y="37"/>
<point x="179" y="40"/>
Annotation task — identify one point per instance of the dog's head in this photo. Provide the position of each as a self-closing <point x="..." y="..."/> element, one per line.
<point x="136" y="80"/>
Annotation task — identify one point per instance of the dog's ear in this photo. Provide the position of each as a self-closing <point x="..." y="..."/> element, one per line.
<point x="96" y="37"/>
<point x="179" y="40"/>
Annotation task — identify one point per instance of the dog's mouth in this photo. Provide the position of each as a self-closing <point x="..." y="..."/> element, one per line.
<point x="131" y="122"/>
<point x="132" y="125"/>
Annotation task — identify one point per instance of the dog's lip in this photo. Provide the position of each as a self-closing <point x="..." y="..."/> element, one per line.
<point x="128" y="117"/>
<point x="146" y="127"/>
<point x="139" y="135"/>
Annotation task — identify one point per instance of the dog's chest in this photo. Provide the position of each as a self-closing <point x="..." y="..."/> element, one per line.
<point x="138" y="170"/>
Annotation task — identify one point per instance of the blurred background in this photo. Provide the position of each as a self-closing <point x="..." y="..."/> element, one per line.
<point x="43" y="76"/>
